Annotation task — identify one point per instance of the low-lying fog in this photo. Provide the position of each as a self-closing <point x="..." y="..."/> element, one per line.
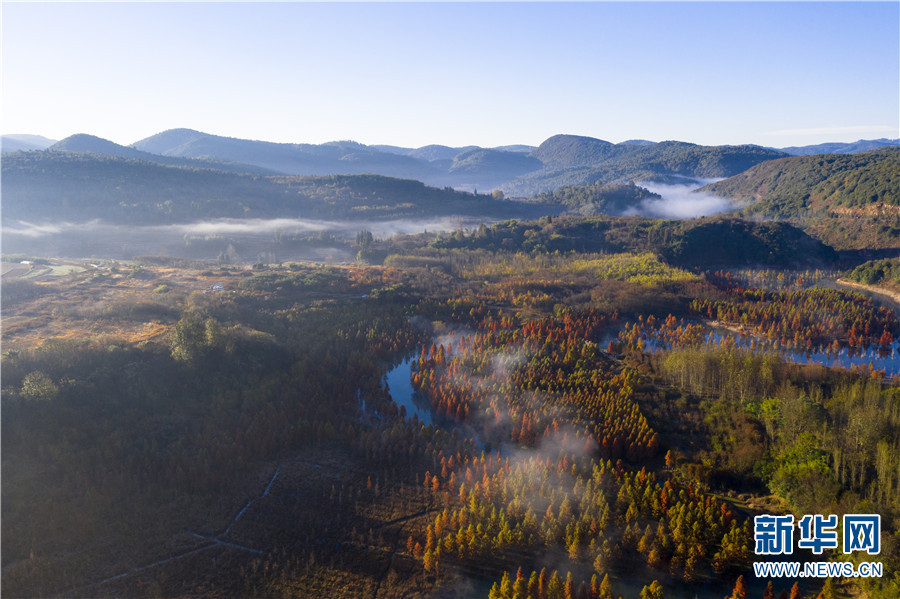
<point x="235" y="240"/>
<point x="244" y="241"/>
<point x="682" y="201"/>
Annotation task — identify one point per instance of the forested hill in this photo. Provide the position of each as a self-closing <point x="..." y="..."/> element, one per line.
<point x="78" y="187"/>
<point x="572" y="160"/>
<point x="848" y="200"/>
<point x="685" y="243"/>
<point x="790" y="186"/>
<point x="612" y="199"/>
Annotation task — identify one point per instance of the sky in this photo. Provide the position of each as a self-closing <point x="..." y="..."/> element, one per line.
<point x="411" y="74"/>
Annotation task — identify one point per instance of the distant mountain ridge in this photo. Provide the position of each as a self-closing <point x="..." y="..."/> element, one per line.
<point x="92" y="144"/>
<point x="521" y="170"/>
<point x="862" y="145"/>
<point x="25" y="143"/>
<point x="341" y="157"/>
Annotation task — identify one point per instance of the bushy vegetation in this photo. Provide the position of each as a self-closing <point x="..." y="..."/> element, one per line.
<point x="877" y="272"/>
<point x="610" y="199"/>
<point x="681" y="243"/>
<point x="790" y="186"/>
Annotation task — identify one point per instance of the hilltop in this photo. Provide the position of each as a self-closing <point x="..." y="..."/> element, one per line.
<point x="91" y="144"/>
<point x="340" y="157"/>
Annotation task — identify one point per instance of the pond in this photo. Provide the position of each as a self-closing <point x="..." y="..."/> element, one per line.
<point x="399" y="385"/>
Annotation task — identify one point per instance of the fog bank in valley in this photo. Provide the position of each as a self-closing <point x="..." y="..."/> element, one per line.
<point x="234" y="240"/>
<point x="682" y="201"/>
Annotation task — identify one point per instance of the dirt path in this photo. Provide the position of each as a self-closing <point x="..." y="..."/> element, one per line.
<point x="893" y="295"/>
<point x="212" y="541"/>
<point x="136" y="570"/>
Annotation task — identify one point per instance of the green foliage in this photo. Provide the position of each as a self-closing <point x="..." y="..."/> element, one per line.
<point x="310" y="278"/>
<point x="155" y="435"/>
<point x="876" y="272"/>
<point x="681" y="243"/>
<point x="37" y="386"/>
<point x="643" y="269"/>
<point x="611" y="199"/>
<point x="789" y="186"/>
<point x="810" y="440"/>
<point x="572" y="160"/>
<point x="803" y="475"/>
<point x="652" y="591"/>
<point x="850" y="201"/>
<point x="364" y="239"/>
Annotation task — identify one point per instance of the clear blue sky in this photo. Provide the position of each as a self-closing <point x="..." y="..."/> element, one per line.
<point x="411" y="74"/>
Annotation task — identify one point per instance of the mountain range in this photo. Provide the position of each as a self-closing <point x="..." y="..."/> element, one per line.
<point x="863" y="145"/>
<point x="848" y="200"/>
<point x="91" y="144"/>
<point x="518" y="170"/>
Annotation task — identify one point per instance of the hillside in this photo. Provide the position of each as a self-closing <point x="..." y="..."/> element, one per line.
<point x="377" y="197"/>
<point x="54" y="186"/>
<point x="612" y="199"/>
<point x="491" y="167"/>
<point x="847" y="200"/>
<point x="518" y="170"/>
<point x="571" y="160"/>
<point x="684" y="243"/>
<point x="74" y="186"/>
<point x="566" y="151"/>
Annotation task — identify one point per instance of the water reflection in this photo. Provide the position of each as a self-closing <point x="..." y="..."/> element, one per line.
<point x="399" y="384"/>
